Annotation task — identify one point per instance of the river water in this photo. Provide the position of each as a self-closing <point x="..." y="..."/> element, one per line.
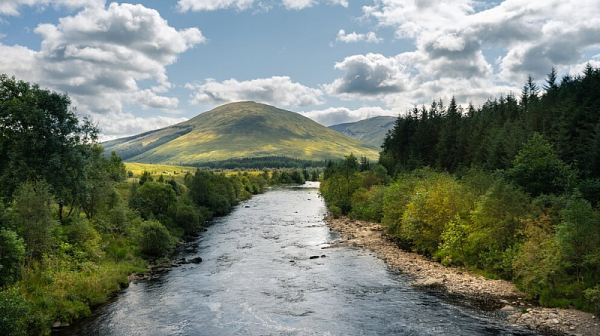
<point x="257" y="278"/>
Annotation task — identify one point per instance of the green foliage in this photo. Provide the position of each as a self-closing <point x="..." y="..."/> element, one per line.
<point x="116" y="168"/>
<point x="40" y="135"/>
<point x="154" y="239"/>
<point x="593" y="296"/>
<point x="188" y="218"/>
<point x="12" y="256"/>
<point x="153" y="199"/>
<point x="432" y="204"/>
<point x="578" y="238"/>
<point x="537" y="265"/>
<point x="145" y="177"/>
<point x="13" y="313"/>
<point x="33" y="218"/>
<point x="368" y="204"/>
<point x="335" y="211"/>
<point x="341" y="182"/>
<point x="497" y="221"/>
<point x="539" y="170"/>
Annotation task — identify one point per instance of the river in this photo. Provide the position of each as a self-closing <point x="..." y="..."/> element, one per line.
<point x="257" y="278"/>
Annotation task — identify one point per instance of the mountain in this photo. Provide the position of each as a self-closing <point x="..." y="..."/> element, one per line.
<point x="239" y="130"/>
<point x="372" y="130"/>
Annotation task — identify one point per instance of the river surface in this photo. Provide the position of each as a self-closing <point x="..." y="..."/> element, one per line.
<point x="257" y="278"/>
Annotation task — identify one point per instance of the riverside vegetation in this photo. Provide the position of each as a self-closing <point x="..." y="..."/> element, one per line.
<point x="72" y="228"/>
<point x="509" y="190"/>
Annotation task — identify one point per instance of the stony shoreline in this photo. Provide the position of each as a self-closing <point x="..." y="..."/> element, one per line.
<point x="428" y="273"/>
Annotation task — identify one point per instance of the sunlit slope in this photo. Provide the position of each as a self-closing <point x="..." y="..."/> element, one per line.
<point x="239" y="130"/>
<point x="372" y="130"/>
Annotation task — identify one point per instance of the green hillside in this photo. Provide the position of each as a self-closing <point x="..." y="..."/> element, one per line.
<point x="239" y="130"/>
<point x="372" y="130"/>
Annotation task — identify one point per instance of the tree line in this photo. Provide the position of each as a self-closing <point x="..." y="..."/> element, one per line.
<point x="510" y="189"/>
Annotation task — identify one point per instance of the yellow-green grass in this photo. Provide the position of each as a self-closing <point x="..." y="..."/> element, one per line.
<point x="157" y="169"/>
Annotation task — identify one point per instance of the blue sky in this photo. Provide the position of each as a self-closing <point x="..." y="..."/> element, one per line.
<point x="140" y="65"/>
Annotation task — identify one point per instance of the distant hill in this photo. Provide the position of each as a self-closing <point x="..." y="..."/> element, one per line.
<point x="239" y="130"/>
<point x="372" y="130"/>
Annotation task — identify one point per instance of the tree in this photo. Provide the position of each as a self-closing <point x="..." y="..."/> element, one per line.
<point x="154" y="239"/>
<point x="33" y="218"/>
<point x="154" y="199"/>
<point x="539" y="170"/>
<point x="42" y="138"/>
<point x="116" y="168"/>
<point x="146" y="177"/>
<point x="578" y="236"/>
<point x="12" y="255"/>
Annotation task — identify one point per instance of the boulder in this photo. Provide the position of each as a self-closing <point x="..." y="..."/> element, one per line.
<point x="428" y="282"/>
<point x="508" y="308"/>
<point x="196" y="260"/>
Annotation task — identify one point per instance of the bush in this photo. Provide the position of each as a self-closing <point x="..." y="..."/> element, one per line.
<point x="12" y="255"/>
<point x="188" y="218"/>
<point x="13" y="313"/>
<point x="335" y="212"/>
<point x="434" y="203"/>
<point x="593" y="296"/>
<point x="154" y="239"/>
<point x="497" y="226"/>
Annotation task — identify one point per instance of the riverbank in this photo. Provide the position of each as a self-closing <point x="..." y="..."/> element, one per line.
<point x="428" y="273"/>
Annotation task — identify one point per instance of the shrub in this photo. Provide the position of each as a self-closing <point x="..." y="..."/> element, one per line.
<point x="154" y="239"/>
<point x="12" y="255"/>
<point x="433" y="203"/>
<point x="188" y="218"/>
<point x="335" y="211"/>
<point x="13" y="313"/>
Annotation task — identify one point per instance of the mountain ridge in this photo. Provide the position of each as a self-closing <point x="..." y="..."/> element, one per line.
<point x="238" y="130"/>
<point x="371" y="131"/>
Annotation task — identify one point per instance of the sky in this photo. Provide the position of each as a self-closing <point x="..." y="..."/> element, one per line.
<point x="135" y="66"/>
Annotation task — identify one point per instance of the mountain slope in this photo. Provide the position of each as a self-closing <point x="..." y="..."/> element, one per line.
<point x="372" y="130"/>
<point x="239" y="130"/>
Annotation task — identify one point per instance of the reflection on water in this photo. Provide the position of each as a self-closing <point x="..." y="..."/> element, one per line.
<point x="257" y="278"/>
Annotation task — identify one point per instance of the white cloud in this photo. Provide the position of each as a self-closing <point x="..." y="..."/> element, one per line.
<point x="339" y="115"/>
<point x="13" y="7"/>
<point x="450" y="39"/>
<point x="129" y="124"/>
<point x="280" y="91"/>
<point x="370" y="37"/>
<point x="368" y="75"/>
<point x="535" y="34"/>
<point x="210" y="5"/>
<point x="100" y="54"/>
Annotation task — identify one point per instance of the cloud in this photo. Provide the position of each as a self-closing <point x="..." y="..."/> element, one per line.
<point x="353" y="37"/>
<point x="535" y="34"/>
<point x="280" y="91"/>
<point x="129" y="124"/>
<point x="211" y="5"/>
<point x="339" y="115"/>
<point x="100" y="54"/>
<point x="451" y="39"/>
<point x="368" y="76"/>
<point x="12" y="7"/>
